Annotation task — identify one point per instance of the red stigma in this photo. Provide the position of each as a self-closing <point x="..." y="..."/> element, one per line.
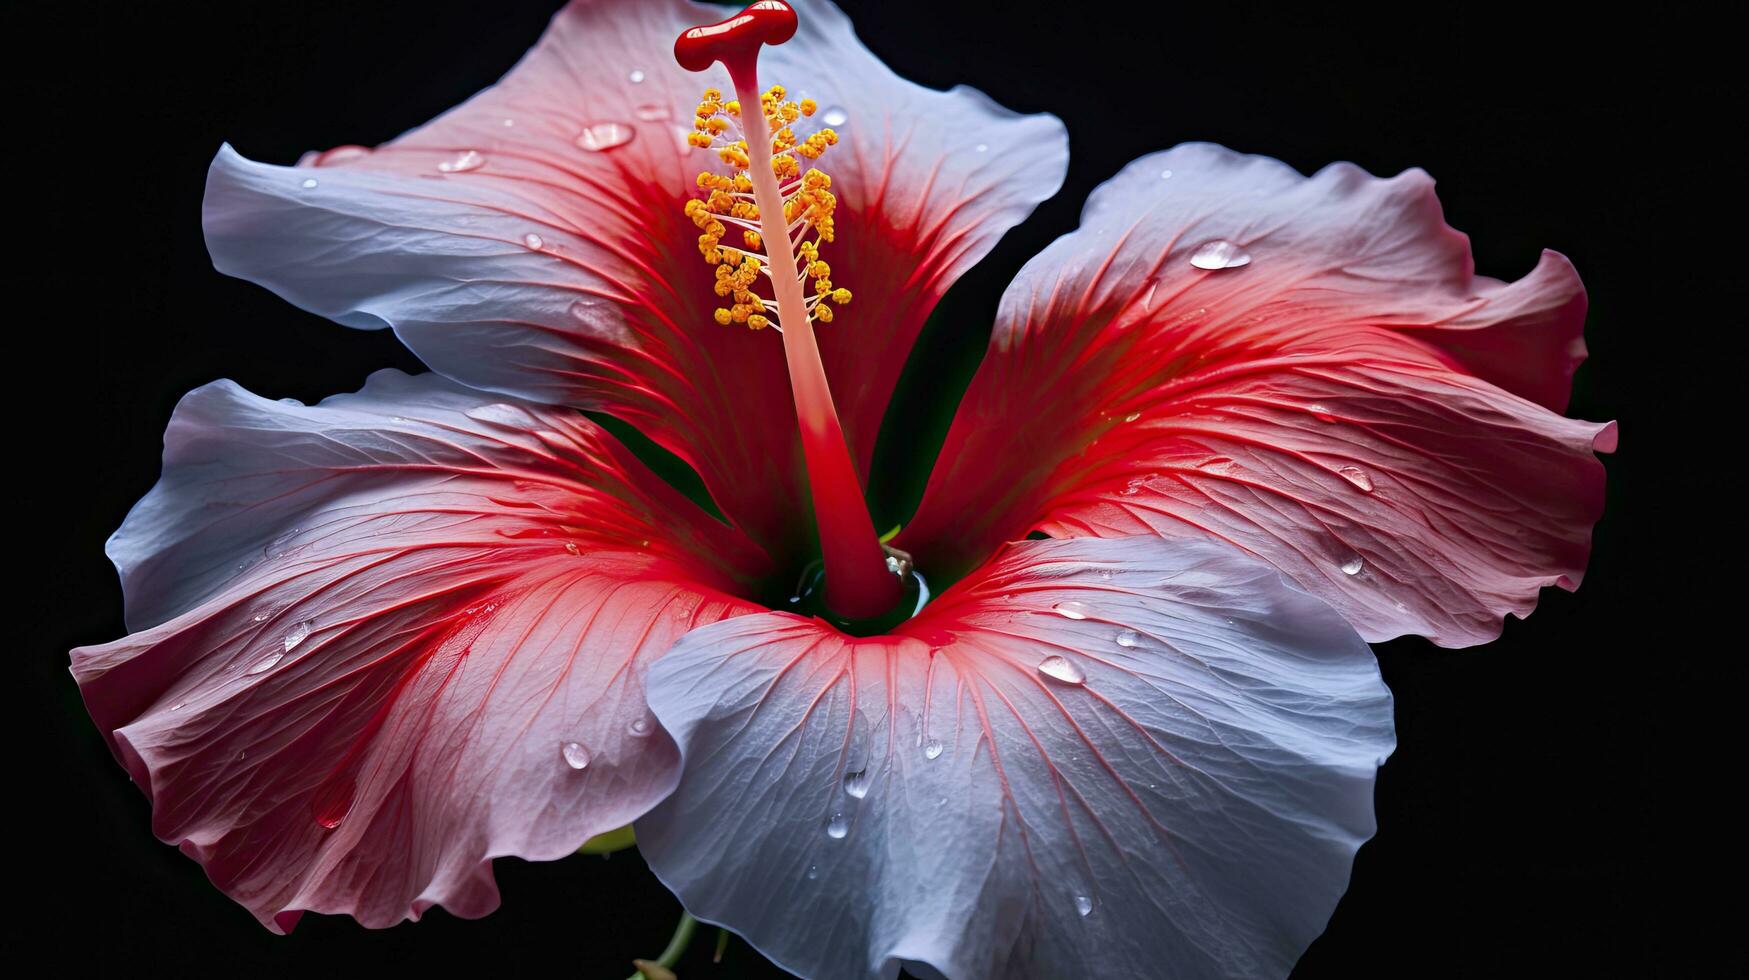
<point x="735" y="41"/>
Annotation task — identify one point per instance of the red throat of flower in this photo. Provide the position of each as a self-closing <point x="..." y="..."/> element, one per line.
<point x="785" y="216"/>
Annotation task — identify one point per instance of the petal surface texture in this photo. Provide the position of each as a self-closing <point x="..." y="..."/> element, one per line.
<point x="1131" y="757"/>
<point x="384" y="639"/>
<point x="1303" y="366"/>
<point x="531" y="241"/>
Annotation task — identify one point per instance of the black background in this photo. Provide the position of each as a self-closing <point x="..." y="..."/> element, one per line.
<point x="1536" y="815"/>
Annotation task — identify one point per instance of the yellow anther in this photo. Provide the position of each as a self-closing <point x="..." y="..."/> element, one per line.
<point x="808" y="202"/>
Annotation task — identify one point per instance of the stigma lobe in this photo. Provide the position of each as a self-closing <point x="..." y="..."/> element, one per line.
<point x="735" y="40"/>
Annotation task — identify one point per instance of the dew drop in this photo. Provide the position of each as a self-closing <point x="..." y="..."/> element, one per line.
<point x="266" y="663"/>
<point x="1061" y="669"/>
<point x="635" y="76"/>
<point x="334" y="804"/>
<point x="982" y="147"/>
<point x="1083" y="905"/>
<point x="856" y="784"/>
<point x="534" y="241"/>
<point x="838" y="826"/>
<point x="1357" y="476"/>
<point x="575" y="755"/>
<point x="469" y="160"/>
<point x="260" y="617"/>
<point x="653" y="112"/>
<point x="640" y="727"/>
<point x="835" y="116"/>
<point x="1219" y="254"/>
<point x="1320" y="412"/>
<point x="1132" y="416"/>
<point x="507" y="123"/>
<point x="298" y="634"/>
<point x="178" y="706"/>
<point x="932" y="749"/>
<point x="1129" y="639"/>
<point x="1165" y="175"/>
<point x="571" y="547"/>
<point x="309" y="182"/>
<point x="601" y="136"/>
<point x="1352" y="566"/>
<point x="813" y="872"/>
<point x="1071" y="609"/>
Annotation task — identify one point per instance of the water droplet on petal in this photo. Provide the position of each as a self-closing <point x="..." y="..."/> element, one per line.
<point x="1083" y="905"/>
<point x="571" y="547"/>
<point x="575" y="755"/>
<point x="178" y="706"/>
<point x="835" y="116"/>
<point x="653" y="112"/>
<point x="1357" y="476"/>
<point x="508" y="123"/>
<point x="1129" y="639"/>
<point x="534" y="241"/>
<point x="1132" y="416"/>
<point x="982" y="147"/>
<point x="636" y="75"/>
<point x="640" y="727"/>
<point x="1071" y="609"/>
<point x="334" y="804"/>
<point x="1165" y="175"/>
<point x="1062" y="670"/>
<point x="266" y="663"/>
<point x="813" y="872"/>
<point x="1320" y="412"/>
<point x="309" y="182"/>
<point x="468" y="160"/>
<point x="856" y="783"/>
<point x="932" y="749"/>
<point x="1352" y="566"/>
<point x="298" y="634"/>
<point x="1219" y="254"/>
<point x="838" y="826"/>
<point x="605" y="136"/>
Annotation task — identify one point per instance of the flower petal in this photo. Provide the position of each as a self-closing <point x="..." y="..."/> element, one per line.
<point x="531" y="241"/>
<point x="1228" y="348"/>
<point x="389" y="637"/>
<point x="1125" y="756"/>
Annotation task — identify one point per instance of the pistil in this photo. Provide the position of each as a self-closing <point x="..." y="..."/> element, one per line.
<point x="859" y="581"/>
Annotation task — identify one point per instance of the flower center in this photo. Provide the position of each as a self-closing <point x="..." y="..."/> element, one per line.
<point x="784" y="216"/>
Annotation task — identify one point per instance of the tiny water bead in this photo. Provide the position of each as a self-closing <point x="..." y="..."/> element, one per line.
<point x="1357" y="476"/>
<point x="309" y="182"/>
<point x="1353" y="565"/>
<point x="838" y="826"/>
<point x="298" y="634"/>
<point x="653" y="112"/>
<point x="835" y="116"/>
<point x="640" y="727"/>
<point x="856" y="784"/>
<point x="266" y="663"/>
<point x="932" y="749"/>
<point x="1062" y="670"/>
<point x="468" y="160"/>
<point x="1129" y="639"/>
<point x="635" y="76"/>
<point x="1084" y="905"/>
<point x="575" y="755"/>
<point x="982" y="147"/>
<point x="602" y="136"/>
<point x="534" y="242"/>
<point x="813" y="872"/>
<point x="1219" y="254"/>
<point x="1165" y="175"/>
<point x="1071" y="609"/>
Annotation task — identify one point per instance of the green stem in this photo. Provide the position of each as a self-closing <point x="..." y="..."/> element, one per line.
<point x="676" y="944"/>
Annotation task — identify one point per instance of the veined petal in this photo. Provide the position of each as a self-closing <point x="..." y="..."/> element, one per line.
<point x="531" y="241"/>
<point x="389" y="637"/>
<point x="1305" y="367"/>
<point x="1126" y="757"/>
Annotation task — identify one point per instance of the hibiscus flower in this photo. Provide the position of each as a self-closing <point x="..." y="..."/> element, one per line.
<point x="1237" y="425"/>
